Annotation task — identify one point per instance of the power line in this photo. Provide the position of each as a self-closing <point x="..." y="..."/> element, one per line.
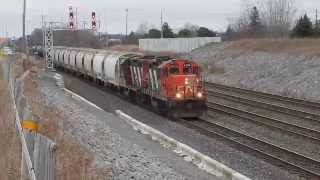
<point x="6" y="31"/>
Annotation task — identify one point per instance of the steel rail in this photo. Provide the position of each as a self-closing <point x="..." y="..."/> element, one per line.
<point x="306" y="166"/>
<point x="266" y="121"/>
<point x="281" y="109"/>
<point x="310" y="104"/>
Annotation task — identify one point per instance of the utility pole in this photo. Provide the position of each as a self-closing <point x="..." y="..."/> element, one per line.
<point x="127" y="12"/>
<point x="76" y="17"/>
<point x="84" y="24"/>
<point x="6" y="30"/>
<point x="99" y="28"/>
<point x="43" y="29"/>
<point x="161" y="21"/>
<point x="24" y="27"/>
<point x="25" y="42"/>
<point x="317" y="24"/>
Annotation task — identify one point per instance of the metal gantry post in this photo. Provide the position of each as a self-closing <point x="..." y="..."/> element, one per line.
<point x="48" y="46"/>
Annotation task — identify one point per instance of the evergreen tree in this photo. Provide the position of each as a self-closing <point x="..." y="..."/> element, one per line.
<point x="167" y="31"/>
<point x="132" y="38"/>
<point x="185" y="33"/>
<point x="205" y="32"/>
<point x="303" y="28"/>
<point x="154" y="33"/>
<point x="255" y="26"/>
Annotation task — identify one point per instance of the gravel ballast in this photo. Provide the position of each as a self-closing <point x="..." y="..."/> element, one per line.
<point x="113" y="142"/>
<point x="237" y="160"/>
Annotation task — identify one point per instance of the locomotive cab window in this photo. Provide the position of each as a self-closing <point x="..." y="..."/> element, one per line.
<point x="174" y="69"/>
<point x="187" y="69"/>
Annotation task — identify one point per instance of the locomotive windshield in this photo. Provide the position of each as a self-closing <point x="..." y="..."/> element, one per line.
<point x="174" y="69"/>
<point x="187" y="69"/>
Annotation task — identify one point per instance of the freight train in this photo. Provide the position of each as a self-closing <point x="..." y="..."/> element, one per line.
<point x="171" y="85"/>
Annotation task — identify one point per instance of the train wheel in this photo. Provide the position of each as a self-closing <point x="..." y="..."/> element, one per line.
<point x="159" y="107"/>
<point x="174" y="115"/>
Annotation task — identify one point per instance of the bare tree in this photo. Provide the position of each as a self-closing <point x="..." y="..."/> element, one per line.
<point x="192" y="28"/>
<point x="240" y="25"/>
<point x="36" y="37"/>
<point x="144" y="28"/>
<point x="278" y="16"/>
<point x="81" y="38"/>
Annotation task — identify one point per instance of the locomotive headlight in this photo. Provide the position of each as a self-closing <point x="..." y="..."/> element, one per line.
<point x="178" y="95"/>
<point x="199" y="94"/>
<point x="186" y="81"/>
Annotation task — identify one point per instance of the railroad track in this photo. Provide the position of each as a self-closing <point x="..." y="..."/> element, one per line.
<point x="291" y="106"/>
<point x="294" y="162"/>
<point x="235" y="102"/>
<point x="296" y="102"/>
<point x="308" y="134"/>
<point x="308" y="125"/>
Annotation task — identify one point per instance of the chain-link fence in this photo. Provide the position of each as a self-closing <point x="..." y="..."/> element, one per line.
<point x="38" y="151"/>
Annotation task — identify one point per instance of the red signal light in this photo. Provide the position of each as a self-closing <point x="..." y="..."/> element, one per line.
<point x="71" y="25"/>
<point x="93" y="22"/>
<point x="71" y="19"/>
<point x="71" y="15"/>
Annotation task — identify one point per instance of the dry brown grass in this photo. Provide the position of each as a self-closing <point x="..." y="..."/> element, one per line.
<point x="212" y="68"/>
<point x="308" y="47"/>
<point x="10" y="149"/>
<point x="74" y="162"/>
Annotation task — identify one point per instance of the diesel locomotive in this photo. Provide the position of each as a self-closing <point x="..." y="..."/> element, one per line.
<point x="171" y="85"/>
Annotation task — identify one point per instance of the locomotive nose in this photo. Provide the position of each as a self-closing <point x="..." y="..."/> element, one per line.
<point x="189" y="88"/>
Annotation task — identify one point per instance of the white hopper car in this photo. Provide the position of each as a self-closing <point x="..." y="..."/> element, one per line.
<point x="102" y="66"/>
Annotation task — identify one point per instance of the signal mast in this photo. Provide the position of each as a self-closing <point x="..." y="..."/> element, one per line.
<point x="93" y="21"/>
<point x="49" y="27"/>
<point x="71" y="19"/>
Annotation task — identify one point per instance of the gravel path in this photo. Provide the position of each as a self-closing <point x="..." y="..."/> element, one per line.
<point x="240" y="161"/>
<point x="114" y="143"/>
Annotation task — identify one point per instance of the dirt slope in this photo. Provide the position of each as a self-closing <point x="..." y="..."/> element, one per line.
<point x="285" y="67"/>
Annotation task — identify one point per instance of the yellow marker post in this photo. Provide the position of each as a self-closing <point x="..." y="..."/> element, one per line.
<point x="30" y="125"/>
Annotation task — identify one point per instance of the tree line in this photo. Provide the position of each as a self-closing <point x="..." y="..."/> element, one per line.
<point x="86" y="38"/>
<point x="270" y="19"/>
<point x="188" y="31"/>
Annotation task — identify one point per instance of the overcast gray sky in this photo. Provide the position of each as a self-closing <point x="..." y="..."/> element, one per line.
<point x="214" y="14"/>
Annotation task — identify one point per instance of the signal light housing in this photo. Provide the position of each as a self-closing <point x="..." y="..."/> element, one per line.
<point x="93" y="22"/>
<point x="71" y="19"/>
